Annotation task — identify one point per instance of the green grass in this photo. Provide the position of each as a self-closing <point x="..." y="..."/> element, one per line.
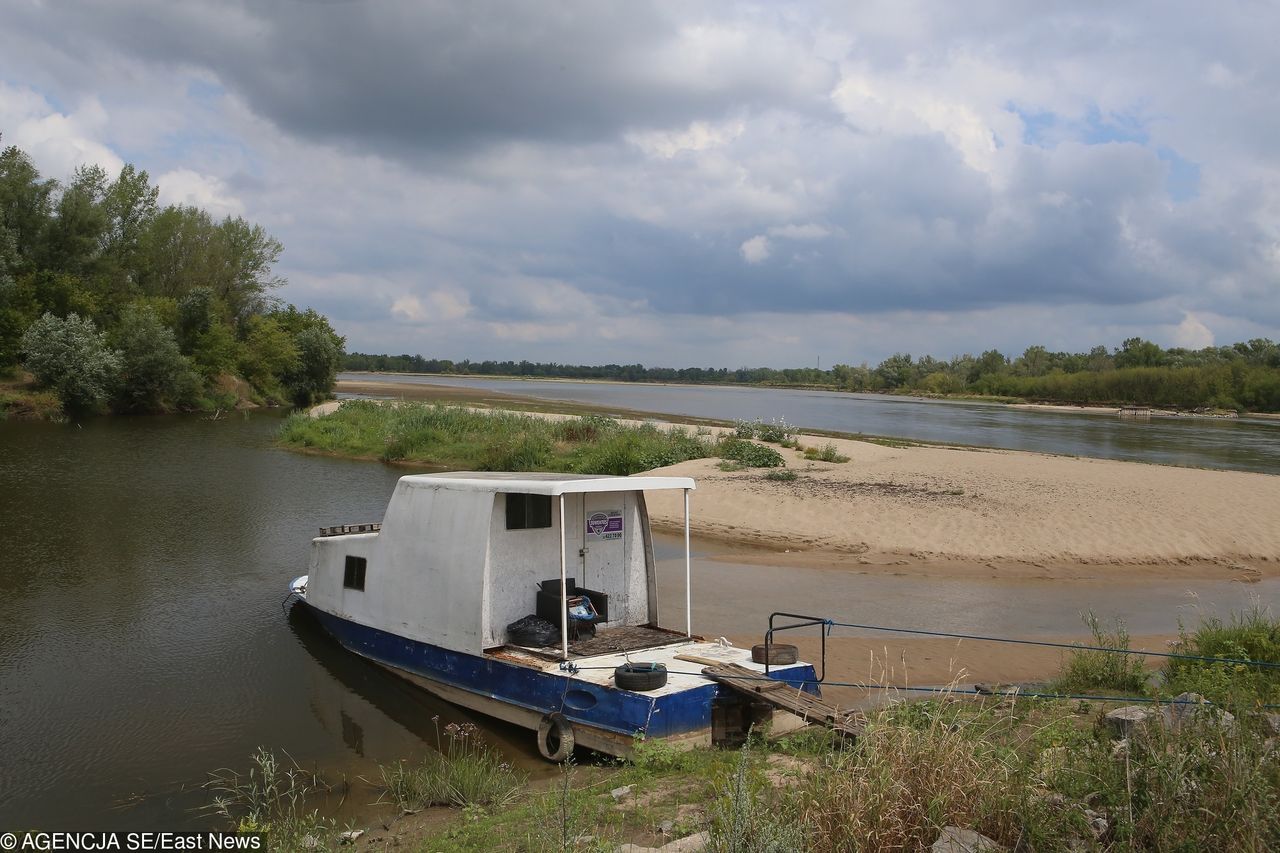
<point x="1252" y="636"/>
<point x="1091" y="670"/>
<point x="455" y="437"/>
<point x="781" y="475"/>
<point x="1028" y="773"/>
<point x="467" y="773"/>
<point x="749" y="453"/>
<point x="23" y="402"/>
<point x="276" y="799"/>
<point x="777" y="431"/>
<point x="826" y="453"/>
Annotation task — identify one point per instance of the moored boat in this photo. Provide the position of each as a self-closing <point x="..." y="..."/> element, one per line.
<point x="533" y="598"/>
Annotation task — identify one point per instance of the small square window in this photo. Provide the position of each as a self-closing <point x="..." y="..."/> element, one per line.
<point x="353" y="574"/>
<point x="525" y="512"/>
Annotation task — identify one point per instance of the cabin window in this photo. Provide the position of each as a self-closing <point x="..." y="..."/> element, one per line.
<point x="353" y="574"/>
<point x="525" y="512"/>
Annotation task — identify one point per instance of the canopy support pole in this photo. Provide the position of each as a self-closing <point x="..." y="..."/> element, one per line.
<point x="564" y="587"/>
<point x="688" y="592"/>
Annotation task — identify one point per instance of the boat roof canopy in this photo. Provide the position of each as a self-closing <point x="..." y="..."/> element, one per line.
<point x="543" y="484"/>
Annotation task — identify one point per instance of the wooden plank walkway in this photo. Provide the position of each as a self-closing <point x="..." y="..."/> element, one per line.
<point x="806" y="706"/>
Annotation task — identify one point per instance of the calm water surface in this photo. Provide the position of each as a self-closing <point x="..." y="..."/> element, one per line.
<point x="143" y="642"/>
<point x="1245" y="445"/>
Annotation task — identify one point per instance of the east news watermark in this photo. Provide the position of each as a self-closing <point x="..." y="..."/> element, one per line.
<point x="158" y="841"/>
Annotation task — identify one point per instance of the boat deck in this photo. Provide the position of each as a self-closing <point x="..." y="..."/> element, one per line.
<point x="684" y="662"/>
<point x="607" y="641"/>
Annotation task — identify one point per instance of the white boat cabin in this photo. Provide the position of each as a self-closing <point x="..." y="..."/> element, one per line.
<point x="460" y="556"/>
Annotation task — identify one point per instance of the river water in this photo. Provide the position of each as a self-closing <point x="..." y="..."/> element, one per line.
<point x="143" y="642"/>
<point x="1243" y="444"/>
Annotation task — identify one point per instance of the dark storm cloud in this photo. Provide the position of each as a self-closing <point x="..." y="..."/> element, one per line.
<point x="410" y="77"/>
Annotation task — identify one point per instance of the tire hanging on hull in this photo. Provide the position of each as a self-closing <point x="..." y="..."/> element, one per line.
<point x="555" y="738"/>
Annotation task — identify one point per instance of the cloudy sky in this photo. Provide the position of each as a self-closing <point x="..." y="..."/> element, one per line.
<point x="698" y="183"/>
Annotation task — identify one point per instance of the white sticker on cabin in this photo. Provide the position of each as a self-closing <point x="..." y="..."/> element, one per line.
<point x="606" y="524"/>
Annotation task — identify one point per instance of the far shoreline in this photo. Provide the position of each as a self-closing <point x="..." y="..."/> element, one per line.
<point x="1014" y="403"/>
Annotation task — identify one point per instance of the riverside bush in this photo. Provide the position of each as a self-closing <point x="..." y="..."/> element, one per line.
<point x="1251" y="636"/>
<point x="777" y="431"/>
<point x="749" y="453"/>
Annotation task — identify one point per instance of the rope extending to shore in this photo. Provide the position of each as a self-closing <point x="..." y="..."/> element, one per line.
<point x="1262" y="664"/>
<point x="1013" y="693"/>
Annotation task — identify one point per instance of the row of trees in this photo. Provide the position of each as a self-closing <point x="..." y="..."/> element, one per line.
<point x="110" y="300"/>
<point x="1240" y="376"/>
<point x="617" y="372"/>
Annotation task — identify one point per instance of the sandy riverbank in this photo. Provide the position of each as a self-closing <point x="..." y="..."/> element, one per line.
<point x="939" y="510"/>
<point x="991" y="512"/>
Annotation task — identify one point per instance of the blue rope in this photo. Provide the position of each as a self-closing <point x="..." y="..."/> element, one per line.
<point x="1073" y="646"/>
<point x="1011" y="694"/>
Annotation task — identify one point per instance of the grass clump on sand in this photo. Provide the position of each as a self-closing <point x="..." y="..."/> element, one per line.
<point x="478" y="440"/>
<point x="467" y="773"/>
<point x="1246" y="639"/>
<point x="274" y="799"/>
<point x="457" y="437"/>
<point x="826" y="453"/>
<point x="1094" y="670"/>
<point x="777" y="431"/>
<point x="749" y="454"/>
<point x="1249" y="636"/>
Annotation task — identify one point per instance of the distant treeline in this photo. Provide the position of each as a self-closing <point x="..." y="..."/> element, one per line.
<point x="1243" y="376"/>
<point x="111" y="301"/>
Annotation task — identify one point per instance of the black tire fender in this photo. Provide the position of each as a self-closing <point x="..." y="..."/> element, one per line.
<point x="640" y="676"/>
<point x="780" y="654"/>
<point x="555" y="737"/>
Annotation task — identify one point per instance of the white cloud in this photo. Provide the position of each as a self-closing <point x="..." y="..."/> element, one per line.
<point x="57" y="142"/>
<point x="1191" y="333"/>
<point x="187" y="186"/>
<point x="437" y="306"/>
<point x="698" y="136"/>
<point x="755" y="250"/>
<point x="807" y="231"/>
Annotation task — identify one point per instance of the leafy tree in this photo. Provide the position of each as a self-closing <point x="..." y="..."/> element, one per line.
<point x="269" y="352"/>
<point x="129" y="205"/>
<point x="72" y="240"/>
<point x="1135" y="352"/>
<point x="319" y="355"/>
<point x="896" y="371"/>
<point x="175" y="252"/>
<point x="155" y="374"/>
<point x="216" y="351"/>
<point x="249" y="255"/>
<point x="71" y="357"/>
<point x="1035" y="361"/>
<point x="25" y="205"/>
<point x="197" y="311"/>
<point x="185" y="249"/>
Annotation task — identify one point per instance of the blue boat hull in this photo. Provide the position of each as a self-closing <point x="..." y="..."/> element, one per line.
<point x="533" y="694"/>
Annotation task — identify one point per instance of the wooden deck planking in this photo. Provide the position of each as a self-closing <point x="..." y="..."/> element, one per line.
<point x="806" y="706"/>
